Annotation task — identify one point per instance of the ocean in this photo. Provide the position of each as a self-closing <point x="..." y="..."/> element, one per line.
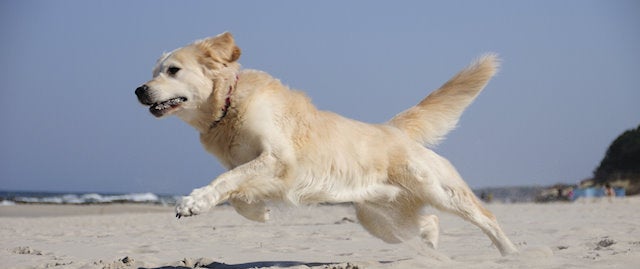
<point x="29" y="197"/>
<point x="503" y="195"/>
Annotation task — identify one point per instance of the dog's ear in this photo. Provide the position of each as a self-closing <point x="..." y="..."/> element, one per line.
<point x="220" y="47"/>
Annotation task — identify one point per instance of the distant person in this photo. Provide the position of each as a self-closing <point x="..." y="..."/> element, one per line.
<point x="486" y="197"/>
<point x="570" y="194"/>
<point x="559" y="196"/>
<point x="609" y="192"/>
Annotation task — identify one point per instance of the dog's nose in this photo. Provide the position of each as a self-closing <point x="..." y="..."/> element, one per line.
<point x="142" y="90"/>
<point x="143" y="95"/>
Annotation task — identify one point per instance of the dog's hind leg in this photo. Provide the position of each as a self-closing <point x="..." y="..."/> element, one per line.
<point x="388" y="222"/>
<point x="256" y="211"/>
<point x="430" y="230"/>
<point x="441" y="186"/>
<point x="392" y="227"/>
<point x="376" y="223"/>
<point x="461" y="201"/>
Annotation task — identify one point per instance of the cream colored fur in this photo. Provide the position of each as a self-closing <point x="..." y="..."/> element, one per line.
<point x="278" y="147"/>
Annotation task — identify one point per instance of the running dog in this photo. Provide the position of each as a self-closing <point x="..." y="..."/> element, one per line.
<point x="278" y="147"/>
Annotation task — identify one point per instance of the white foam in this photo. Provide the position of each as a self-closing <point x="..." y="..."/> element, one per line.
<point x="7" y="203"/>
<point x="92" y="198"/>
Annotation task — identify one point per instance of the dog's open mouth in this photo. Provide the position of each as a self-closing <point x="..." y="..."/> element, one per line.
<point x="162" y="108"/>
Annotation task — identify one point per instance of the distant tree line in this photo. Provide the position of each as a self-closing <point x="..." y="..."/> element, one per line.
<point x="622" y="161"/>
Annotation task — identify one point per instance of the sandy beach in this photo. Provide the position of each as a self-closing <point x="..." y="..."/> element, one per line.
<point x="584" y="234"/>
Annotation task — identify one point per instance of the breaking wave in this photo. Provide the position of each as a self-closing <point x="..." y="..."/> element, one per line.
<point x="10" y="198"/>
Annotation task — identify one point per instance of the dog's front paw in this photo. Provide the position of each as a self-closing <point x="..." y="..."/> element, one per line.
<point x="187" y="207"/>
<point x="199" y="201"/>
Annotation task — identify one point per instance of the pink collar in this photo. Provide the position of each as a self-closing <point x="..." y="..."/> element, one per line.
<point x="227" y="103"/>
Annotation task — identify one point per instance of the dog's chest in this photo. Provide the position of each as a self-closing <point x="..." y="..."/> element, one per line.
<point x="230" y="148"/>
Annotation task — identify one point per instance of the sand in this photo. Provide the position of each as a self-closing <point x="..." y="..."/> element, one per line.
<point x="584" y="234"/>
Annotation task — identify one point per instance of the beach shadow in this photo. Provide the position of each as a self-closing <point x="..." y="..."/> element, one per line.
<point x="281" y="264"/>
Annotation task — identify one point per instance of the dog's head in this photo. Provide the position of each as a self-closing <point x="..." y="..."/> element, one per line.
<point x="191" y="78"/>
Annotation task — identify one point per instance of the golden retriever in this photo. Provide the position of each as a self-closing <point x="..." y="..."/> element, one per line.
<point x="278" y="147"/>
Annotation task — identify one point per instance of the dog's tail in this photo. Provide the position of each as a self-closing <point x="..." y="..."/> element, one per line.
<point x="430" y="120"/>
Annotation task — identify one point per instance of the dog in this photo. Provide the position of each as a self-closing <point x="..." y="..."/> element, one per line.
<point x="278" y="147"/>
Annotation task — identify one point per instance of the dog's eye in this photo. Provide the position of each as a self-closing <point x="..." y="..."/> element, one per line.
<point x="173" y="70"/>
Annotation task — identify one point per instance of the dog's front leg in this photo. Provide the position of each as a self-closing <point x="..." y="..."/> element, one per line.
<point x="218" y="191"/>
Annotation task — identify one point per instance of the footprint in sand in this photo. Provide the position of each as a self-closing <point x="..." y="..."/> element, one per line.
<point x="26" y="251"/>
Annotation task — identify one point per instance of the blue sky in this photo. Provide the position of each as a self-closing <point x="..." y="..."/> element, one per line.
<point x="70" y="120"/>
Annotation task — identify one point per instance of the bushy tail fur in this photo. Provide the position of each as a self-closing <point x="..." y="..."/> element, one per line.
<point x="437" y="114"/>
